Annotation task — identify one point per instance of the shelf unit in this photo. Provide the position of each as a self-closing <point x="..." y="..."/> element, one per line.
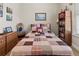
<point x="65" y="26"/>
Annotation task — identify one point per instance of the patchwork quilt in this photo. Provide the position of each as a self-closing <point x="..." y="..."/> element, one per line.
<point x="41" y="44"/>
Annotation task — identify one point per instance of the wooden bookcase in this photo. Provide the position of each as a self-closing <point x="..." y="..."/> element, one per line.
<point x="65" y="26"/>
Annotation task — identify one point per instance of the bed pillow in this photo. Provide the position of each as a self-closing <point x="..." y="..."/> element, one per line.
<point x="40" y="27"/>
<point x="40" y="30"/>
<point x="34" y="28"/>
<point x="37" y="25"/>
<point x="46" y="27"/>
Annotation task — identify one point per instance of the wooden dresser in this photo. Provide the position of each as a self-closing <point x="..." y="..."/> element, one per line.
<point x="7" y="42"/>
<point x="11" y="41"/>
<point x="2" y="44"/>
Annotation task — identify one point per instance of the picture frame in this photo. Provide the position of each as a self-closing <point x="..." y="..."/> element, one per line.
<point x="8" y="10"/>
<point x="1" y="10"/>
<point x="8" y="18"/>
<point x="40" y="16"/>
<point x="9" y="14"/>
<point x="8" y="29"/>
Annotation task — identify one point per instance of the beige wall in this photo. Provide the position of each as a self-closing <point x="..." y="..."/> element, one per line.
<point x="29" y="10"/>
<point x="15" y="20"/>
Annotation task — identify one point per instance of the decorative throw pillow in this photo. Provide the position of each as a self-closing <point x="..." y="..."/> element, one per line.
<point x="40" y="27"/>
<point x="39" y="30"/>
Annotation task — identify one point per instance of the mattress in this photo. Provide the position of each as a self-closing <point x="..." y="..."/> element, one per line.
<point x="44" y="44"/>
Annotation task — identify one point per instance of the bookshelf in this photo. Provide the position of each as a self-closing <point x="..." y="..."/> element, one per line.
<point x="65" y="26"/>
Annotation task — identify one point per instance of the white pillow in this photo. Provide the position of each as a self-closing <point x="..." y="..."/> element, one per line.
<point x="38" y="25"/>
<point x="34" y="28"/>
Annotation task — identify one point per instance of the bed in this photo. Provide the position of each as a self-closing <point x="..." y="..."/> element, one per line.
<point x="41" y="44"/>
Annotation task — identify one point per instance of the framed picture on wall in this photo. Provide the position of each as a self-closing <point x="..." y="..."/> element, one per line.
<point x="8" y="18"/>
<point x="7" y="29"/>
<point x="40" y="16"/>
<point x="1" y="10"/>
<point x="8" y="14"/>
<point x="8" y="10"/>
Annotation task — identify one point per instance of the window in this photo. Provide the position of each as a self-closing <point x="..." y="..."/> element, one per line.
<point x="77" y="18"/>
<point x="77" y="23"/>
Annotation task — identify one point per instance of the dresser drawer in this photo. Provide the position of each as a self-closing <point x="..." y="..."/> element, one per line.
<point x="12" y="39"/>
<point x="2" y="51"/>
<point x="2" y="42"/>
<point x="12" y="36"/>
<point x="2" y="45"/>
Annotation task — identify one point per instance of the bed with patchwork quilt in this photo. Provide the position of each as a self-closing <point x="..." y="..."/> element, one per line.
<point x="41" y="44"/>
